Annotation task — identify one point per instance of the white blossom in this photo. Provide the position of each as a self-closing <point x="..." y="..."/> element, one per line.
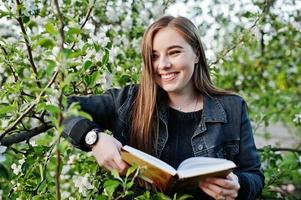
<point x="30" y="7"/>
<point x="65" y="169"/>
<point x="100" y="38"/>
<point x="2" y="150"/>
<point x="127" y="23"/>
<point x="297" y="118"/>
<point x="239" y="80"/>
<point x="105" y="80"/>
<point x="90" y="41"/>
<point x="65" y="194"/>
<point x="22" y="161"/>
<point x="271" y="84"/>
<point x="16" y="168"/>
<point x="144" y="17"/>
<point x="99" y="55"/>
<point x="265" y="74"/>
<point x="55" y="51"/>
<point x="118" y="68"/>
<point x="71" y="159"/>
<point x="111" y="14"/>
<point x="136" y="44"/>
<point x="33" y="143"/>
<point x="2" y="69"/>
<point x="157" y="10"/>
<point x="113" y="53"/>
<point x="89" y="54"/>
<point x="125" y="41"/>
<point x="83" y="184"/>
<point x="26" y="72"/>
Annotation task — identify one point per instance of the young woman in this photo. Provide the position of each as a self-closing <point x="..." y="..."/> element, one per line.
<point x="174" y="113"/>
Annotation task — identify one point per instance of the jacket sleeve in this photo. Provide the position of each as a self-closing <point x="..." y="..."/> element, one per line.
<point x="102" y="108"/>
<point x="250" y="176"/>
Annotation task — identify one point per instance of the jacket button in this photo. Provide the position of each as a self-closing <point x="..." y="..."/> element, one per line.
<point x="200" y="147"/>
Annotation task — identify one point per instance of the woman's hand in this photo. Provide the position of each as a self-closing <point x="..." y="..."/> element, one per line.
<point x="107" y="153"/>
<point x="220" y="188"/>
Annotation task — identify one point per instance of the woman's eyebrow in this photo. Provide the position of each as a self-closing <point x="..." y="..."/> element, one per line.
<point x="171" y="47"/>
<point x="174" y="46"/>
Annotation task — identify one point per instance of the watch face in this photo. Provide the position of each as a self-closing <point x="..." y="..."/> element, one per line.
<point x="91" y="137"/>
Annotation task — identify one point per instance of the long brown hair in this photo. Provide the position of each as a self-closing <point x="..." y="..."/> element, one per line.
<point x="144" y="113"/>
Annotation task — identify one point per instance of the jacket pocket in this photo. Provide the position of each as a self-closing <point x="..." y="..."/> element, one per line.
<point x="228" y="150"/>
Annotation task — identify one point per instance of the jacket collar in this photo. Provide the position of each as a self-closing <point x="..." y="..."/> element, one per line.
<point x="213" y="110"/>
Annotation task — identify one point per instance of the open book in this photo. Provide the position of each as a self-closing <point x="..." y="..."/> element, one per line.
<point x="188" y="175"/>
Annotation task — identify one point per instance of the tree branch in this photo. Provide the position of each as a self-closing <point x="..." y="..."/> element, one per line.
<point x="62" y="23"/>
<point x="57" y="173"/>
<point x="25" y="135"/>
<point x="85" y="21"/>
<point x="281" y="149"/>
<point x="32" y="105"/>
<point x="11" y="68"/>
<point x="20" y="21"/>
<point x="227" y="51"/>
<point x="58" y="154"/>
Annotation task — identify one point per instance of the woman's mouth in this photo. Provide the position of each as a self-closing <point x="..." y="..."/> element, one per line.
<point x="169" y="76"/>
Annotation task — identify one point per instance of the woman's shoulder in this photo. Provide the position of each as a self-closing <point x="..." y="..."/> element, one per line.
<point x="124" y="91"/>
<point x="124" y="94"/>
<point x="231" y="100"/>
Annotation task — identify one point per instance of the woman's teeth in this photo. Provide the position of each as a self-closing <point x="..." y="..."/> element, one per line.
<point x="168" y="76"/>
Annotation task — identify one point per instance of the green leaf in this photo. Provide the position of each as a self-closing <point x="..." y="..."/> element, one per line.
<point x="87" y="64"/>
<point x="85" y="115"/>
<point x="51" y="66"/>
<point x="160" y="196"/>
<point x="129" y="184"/>
<point x="115" y="174"/>
<point x="3" y="172"/>
<point x="110" y="186"/>
<point x="105" y="58"/>
<point x="131" y="170"/>
<point x="53" y="109"/>
<point x="185" y="196"/>
<point x="7" y="109"/>
<point x="49" y="27"/>
<point x="73" y="30"/>
<point x="45" y="42"/>
<point x="101" y="197"/>
<point x="109" y="67"/>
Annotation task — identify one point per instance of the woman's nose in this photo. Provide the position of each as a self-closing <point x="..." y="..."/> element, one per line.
<point x="164" y="63"/>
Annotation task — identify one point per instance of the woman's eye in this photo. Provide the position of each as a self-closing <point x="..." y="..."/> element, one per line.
<point x="154" y="56"/>
<point x="174" y="52"/>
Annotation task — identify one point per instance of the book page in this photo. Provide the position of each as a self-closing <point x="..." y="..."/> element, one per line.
<point x="203" y="165"/>
<point x="151" y="159"/>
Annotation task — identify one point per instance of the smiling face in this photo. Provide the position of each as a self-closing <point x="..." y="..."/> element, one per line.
<point x="173" y="60"/>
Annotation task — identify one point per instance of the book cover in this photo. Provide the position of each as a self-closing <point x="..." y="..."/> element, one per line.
<point x="188" y="175"/>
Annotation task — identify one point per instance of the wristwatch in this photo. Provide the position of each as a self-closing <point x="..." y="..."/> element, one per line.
<point x="92" y="137"/>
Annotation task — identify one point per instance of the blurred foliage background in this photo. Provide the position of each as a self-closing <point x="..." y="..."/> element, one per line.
<point x="52" y="49"/>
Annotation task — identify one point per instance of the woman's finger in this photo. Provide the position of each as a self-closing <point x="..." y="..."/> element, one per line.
<point x="218" y="190"/>
<point x="208" y="191"/>
<point x="122" y="166"/>
<point x="224" y="183"/>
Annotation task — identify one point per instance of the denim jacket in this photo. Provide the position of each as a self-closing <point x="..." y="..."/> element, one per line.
<point x="224" y="131"/>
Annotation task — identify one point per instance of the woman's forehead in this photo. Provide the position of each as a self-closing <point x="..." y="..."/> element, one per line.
<point x="168" y="37"/>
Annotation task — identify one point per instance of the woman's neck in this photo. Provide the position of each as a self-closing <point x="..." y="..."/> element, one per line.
<point x="186" y="102"/>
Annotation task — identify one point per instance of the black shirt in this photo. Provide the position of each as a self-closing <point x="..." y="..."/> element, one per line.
<point x="181" y="127"/>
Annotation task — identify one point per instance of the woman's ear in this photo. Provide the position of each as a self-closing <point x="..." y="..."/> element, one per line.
<point x="197" y="57"/>
<point x="196" y="60"/>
